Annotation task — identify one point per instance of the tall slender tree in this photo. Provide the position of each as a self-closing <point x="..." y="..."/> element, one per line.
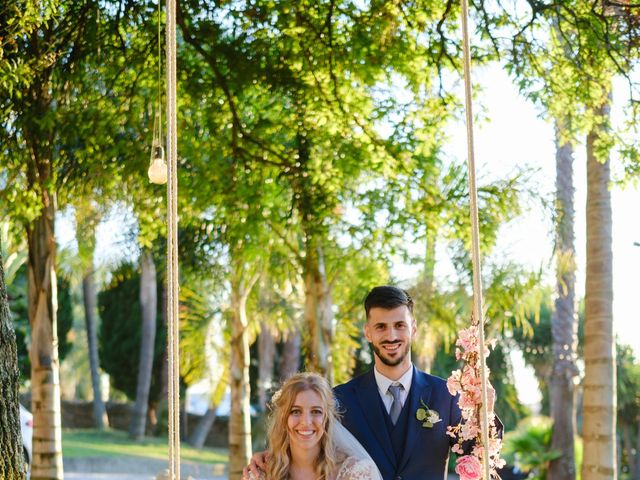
<point x="242" y="281"/>
<point x="564" y="325"/>
<point x="87" y="219"/>
<point x="149" y="310"/>
<point x="599" y="401"/>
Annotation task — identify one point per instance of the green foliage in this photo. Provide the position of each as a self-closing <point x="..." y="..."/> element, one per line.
<point x="64" y="316"/>
<point x="358" y="273"/>
<point x="564" y="57"/>
<point x="18" y="20"/>
<point x="507" y="405"/>
<point x="203" y="337"/>
<point x="534" y="339"/>
<point x="120" y="330"/>
<point x="528" y="447"/>
<point x="628" y="405"/>
<point x="14" y="253"/>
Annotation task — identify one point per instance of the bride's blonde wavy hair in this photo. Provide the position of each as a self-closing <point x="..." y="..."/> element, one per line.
<point x="279" y="446"/>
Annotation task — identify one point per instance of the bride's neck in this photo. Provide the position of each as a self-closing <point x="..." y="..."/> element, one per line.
<point x="303" y="463"/>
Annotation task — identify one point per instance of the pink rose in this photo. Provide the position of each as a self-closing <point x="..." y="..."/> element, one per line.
<point x="469" y="468"/>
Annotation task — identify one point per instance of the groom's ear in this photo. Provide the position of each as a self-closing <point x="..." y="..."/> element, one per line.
<point x="366" y="331"/>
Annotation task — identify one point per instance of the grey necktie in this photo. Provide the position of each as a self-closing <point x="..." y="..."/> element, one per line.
<point x="396" y="405"/>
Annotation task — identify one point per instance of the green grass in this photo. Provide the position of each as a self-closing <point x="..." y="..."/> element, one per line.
<point x="114" y="443"/>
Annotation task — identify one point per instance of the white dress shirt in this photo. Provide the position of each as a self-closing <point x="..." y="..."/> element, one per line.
<point x="383" y="386"/>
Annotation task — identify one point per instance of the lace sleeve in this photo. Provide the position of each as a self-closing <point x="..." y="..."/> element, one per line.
<point x="354" y="469"/>
<point x="253" y="476"/>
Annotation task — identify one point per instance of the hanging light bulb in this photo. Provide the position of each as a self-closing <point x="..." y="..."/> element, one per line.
<point x="158" y="167"/>
<point x="158" y="171"/>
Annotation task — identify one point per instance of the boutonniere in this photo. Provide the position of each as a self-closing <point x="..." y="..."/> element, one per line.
<point x="427" y="416"/>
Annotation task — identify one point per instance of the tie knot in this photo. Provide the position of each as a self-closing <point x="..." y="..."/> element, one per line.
<point x="394" y="390"/>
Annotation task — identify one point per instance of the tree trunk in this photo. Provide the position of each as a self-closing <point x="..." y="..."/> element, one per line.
<point x="91" y="321"/>
<point x="425" y="344"/>
<point x="240" y="416"/>
<point x="266" y="355"/>
<point x="45" y="366"/>
<point x="564" y="325"/>
<point x="12" y="466"/>
<point x="318" y="311"/>
<point x="199" y="435"/>
<point x="148" y="303"/>
<point x="87" y="219"/>
<point x="290" y="359"/>
<point x="599" y="408"/>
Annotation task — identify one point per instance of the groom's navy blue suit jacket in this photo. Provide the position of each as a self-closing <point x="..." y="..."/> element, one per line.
<point x="426" y="450"/>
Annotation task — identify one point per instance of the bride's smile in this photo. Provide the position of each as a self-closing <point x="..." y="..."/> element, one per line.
<point x="306" y="420"/>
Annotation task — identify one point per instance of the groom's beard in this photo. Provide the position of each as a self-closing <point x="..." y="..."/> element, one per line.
<point x="391" y="362"/>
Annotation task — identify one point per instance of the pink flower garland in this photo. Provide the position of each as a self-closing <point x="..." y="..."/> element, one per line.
<point x="467" y="382"/>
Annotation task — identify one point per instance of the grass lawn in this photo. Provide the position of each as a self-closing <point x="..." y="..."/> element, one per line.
<point x="115" y="443"/>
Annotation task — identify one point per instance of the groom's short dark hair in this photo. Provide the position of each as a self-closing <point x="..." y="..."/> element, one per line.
<point x="388" y="297"/>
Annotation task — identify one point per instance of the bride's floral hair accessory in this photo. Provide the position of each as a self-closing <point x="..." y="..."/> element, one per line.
<point x="467" y="383"/>
<point x="427" y="416"/>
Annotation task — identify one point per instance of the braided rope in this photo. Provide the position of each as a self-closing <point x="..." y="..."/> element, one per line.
<point x="475" y="235"/>
<point x="172" y="248"/>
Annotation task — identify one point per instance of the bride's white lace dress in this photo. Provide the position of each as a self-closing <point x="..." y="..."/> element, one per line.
<point x="355" y="463"/>
<point x="357" y="469"/>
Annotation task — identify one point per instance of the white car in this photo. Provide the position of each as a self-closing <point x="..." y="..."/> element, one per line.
<point x="26" y="427"/>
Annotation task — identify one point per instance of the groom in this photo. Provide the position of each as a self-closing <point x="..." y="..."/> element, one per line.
<point x="379" y="407"/>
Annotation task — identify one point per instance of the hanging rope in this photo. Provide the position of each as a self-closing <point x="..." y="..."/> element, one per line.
<point x="172" y="248"/>
<point x="475" y="235"/>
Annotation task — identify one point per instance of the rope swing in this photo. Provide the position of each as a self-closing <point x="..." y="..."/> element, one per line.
<point x="172" y="249"/>
<point x="172" y="246"/>
<point x="478" y="317"/>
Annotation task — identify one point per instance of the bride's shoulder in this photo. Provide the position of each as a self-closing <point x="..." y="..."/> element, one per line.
<point x="353" y="468"/>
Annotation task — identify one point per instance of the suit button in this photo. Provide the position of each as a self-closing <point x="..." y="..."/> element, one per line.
<point x="398" y="477"/>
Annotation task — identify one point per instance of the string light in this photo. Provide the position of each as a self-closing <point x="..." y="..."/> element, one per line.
<point x="158" y="170"/>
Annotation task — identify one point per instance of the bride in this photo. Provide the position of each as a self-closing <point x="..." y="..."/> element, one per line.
<point x="306" y="439"/>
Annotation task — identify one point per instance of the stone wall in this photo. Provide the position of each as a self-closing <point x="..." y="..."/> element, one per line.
<point x="78" y="414"/>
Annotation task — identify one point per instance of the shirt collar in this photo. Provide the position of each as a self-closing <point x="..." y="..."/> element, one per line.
<point x="384" y="382"/>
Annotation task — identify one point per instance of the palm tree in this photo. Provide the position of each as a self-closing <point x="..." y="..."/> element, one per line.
<point x="599" y="408"/>
<point x="563" y="322"/>
<point x="242" y="282"/>
<point x="87" y="220"/>
<point x="45" y="364"/>
<point x="148" y="304"/>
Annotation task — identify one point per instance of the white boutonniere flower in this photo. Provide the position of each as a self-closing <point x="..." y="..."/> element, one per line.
<point x="427" y="416"/>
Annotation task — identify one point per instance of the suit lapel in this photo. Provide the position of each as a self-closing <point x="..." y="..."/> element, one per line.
<point x="370" y="404"/>
<point x="420" y="390"/>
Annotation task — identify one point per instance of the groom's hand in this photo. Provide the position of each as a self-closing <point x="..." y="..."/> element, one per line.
<point x="256" y="466"/>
